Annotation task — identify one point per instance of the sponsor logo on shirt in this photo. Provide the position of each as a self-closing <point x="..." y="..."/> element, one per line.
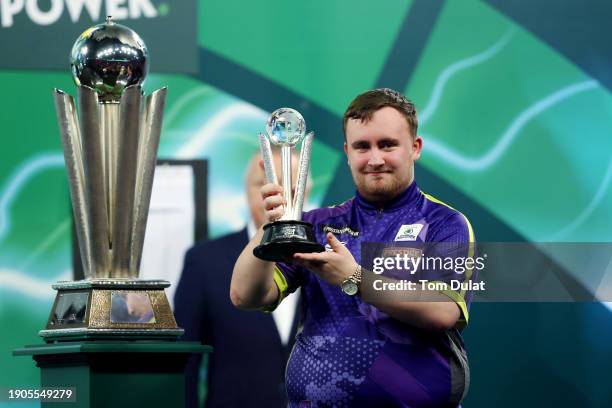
<point x="340" y="230"/>
<point x="408" y="232"/>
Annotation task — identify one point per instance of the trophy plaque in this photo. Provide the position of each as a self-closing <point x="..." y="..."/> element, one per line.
<point x="110" y="151"/>
<point x="289" y="235"/>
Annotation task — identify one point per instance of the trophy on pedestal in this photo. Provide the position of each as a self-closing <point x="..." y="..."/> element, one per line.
<point x="110" y="150"/>
<point x="289" y="235"/>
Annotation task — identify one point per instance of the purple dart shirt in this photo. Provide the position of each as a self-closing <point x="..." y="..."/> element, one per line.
<point x="350" y="354"/>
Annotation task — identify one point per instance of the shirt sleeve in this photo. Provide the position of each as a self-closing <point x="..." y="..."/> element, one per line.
<point x="288" y="278"/>
<point x="453" y="241"/>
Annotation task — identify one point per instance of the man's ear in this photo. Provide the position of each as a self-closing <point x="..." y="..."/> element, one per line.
<point x="346" y="152"/>
<point x="417" y="147"/>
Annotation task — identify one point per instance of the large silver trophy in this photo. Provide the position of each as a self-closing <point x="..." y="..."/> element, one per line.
<point x="289" y="235"/>
<point x="110" y="151"/>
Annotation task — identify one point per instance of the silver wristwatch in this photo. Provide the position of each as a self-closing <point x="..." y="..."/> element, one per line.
<point x="350" y="285"/>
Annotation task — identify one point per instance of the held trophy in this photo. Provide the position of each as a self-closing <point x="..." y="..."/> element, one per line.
<point x="289" y="235"/>
<point x="110" y="151"/>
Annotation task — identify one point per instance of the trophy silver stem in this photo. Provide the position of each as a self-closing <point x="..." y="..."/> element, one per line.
<point x="286" y="173"/>
<point x="109" y="123"/>
<point x="268" y="160"/>
<point x="71" y="142"/>
<point x="129" y="130"/>
<point x="302" y="177"/>
<point x="147" y="158"/>
<point x="93" y="160"/>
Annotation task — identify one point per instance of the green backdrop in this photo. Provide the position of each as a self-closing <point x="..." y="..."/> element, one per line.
<point x="515" y="111"/>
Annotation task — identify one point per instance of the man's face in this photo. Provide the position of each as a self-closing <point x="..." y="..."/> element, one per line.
<point x="381" y="154"/>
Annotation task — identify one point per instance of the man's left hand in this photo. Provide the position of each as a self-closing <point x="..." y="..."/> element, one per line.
<point x="333" y="266"/>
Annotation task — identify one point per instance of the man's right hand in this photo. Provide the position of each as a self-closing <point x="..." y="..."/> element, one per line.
<point x="274" y="202"/>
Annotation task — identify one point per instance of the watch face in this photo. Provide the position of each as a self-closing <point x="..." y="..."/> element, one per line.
<point x="349" y="287"/>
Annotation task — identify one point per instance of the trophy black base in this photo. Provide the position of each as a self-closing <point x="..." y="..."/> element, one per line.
<point x="282" y="239"/>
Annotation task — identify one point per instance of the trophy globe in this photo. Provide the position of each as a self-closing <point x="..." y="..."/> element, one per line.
<point x="108" y="58"/>
<point x="285" y="127"/>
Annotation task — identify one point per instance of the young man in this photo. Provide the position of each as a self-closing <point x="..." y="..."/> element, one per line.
<point x="376" y="353"/>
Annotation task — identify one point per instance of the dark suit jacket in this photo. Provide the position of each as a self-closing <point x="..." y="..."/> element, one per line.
<point x="247" y="366"/>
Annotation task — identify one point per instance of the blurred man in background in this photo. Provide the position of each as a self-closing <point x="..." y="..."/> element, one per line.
<point x="250" y="350"/>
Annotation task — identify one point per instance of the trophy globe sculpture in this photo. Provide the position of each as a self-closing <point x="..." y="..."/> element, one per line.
<point x="289" y="235"/>
<point x="110" y="151"/>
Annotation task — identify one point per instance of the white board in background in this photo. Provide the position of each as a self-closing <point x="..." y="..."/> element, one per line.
<point x="171" y="225"/>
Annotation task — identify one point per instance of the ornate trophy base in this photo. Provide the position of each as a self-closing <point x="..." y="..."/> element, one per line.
<point x="282" y="239"/>
<point x="125" y="309"/>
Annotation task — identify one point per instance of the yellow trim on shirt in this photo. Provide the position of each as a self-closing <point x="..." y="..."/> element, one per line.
<point x="281" y="284"/>
<point x="459" y="298"/>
